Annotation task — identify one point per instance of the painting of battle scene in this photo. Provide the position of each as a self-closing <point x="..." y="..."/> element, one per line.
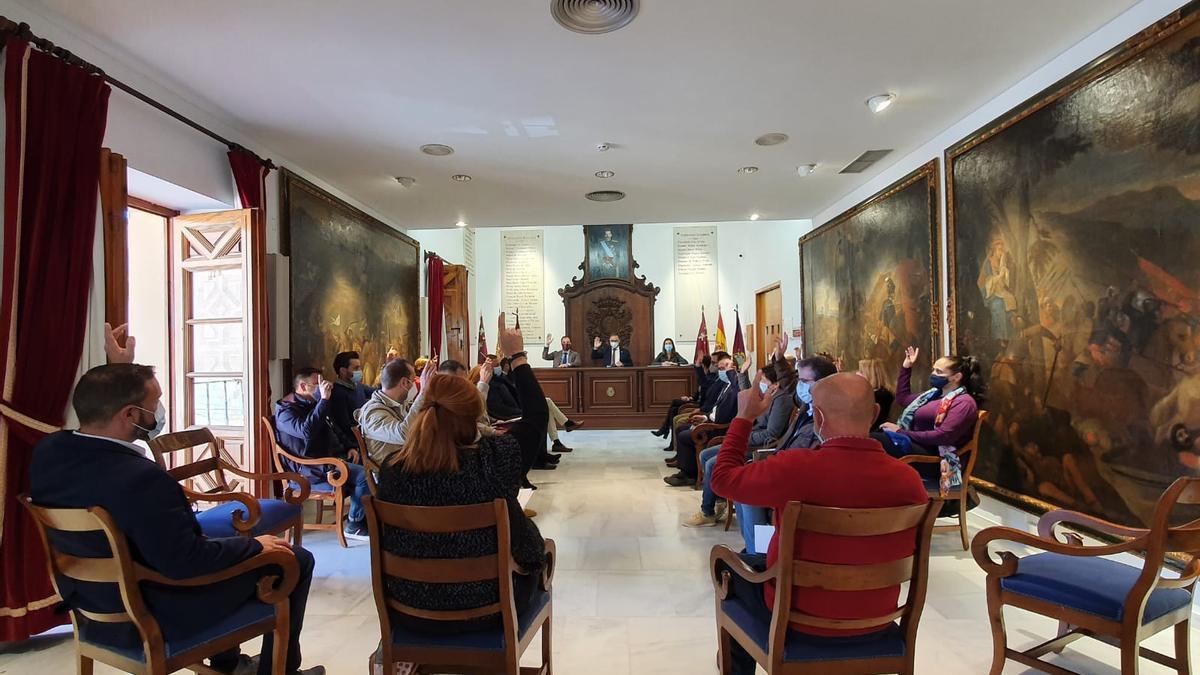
<point x="1074" y="224"/>
<point x="354" y="281"/>
<point x="868" y="278"/>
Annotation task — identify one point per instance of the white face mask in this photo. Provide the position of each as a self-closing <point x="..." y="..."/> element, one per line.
<point x="614" y="344"/>
<point x="160" y="422"/>
<point x="411" y="395"/>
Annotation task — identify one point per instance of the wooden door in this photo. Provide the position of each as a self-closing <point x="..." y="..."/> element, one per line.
<point x="457" y="314"/>
<point x="213" y="328"/>
<point x="768" y="305"/>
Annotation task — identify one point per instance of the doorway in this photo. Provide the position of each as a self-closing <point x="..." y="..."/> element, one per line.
<point x="768" y="309"/>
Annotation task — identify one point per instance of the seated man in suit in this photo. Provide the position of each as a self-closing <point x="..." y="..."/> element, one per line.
<point x="303" y="427"/>
<point x="564" y="357"/>
<point x="348" y="393"/>
<point x="723" y="409"/>
<point x="613" y="356"/>
<point x="383" y="421"/>
<point x="99" y="465"/>
<point x="768" y="429"/>
<point x="849" y="471"/>
<point x="704" y="379"/>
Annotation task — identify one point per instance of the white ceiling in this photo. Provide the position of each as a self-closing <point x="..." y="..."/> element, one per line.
<point x="350" y="90"/>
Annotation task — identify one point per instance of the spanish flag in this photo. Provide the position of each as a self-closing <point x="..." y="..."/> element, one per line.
<point x="720" y="331"/>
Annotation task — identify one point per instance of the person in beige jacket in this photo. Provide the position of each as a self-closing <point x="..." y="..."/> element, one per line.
<point x="383" y="420"/>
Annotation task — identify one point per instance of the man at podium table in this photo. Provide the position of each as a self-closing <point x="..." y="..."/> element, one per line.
<point x="612" y="356"/>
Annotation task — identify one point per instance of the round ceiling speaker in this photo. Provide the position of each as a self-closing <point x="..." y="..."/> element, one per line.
<point x="437" y="149"/>
<point x="606" y="196"/>
<point x="592" y="17"/>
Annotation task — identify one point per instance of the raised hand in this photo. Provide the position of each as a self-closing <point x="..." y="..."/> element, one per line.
<point x="781" y="344"/>
<point x="596" y="343"/>
<point x="839" y="364"/>
<point x="510" y="339"/>
<point x="748" y="363"/>
<point x="112" y="343"/>
<point x="486" y="372"/>
<point x="427" y="373"/>
<point x="753" y="402"/>
<point x="549" y="337"/>
<point x="325" y="387"/>
<point x="910" y="356"/>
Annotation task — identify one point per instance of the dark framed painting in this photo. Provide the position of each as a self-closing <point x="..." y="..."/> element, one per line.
<point x="870" y="278"/>
<point x="1074" y="222"/>
<point x="354" y="281"/>
<point x="608" y="252"/>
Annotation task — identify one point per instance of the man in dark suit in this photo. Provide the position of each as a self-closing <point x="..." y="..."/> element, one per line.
<point x="99" y="465"/>
<point x="612" y="356"/>
<point x="723" y="410"/>
<point x="562" y="358"/>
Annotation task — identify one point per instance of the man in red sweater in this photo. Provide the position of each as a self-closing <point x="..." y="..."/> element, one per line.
<point x="848" y="470"/>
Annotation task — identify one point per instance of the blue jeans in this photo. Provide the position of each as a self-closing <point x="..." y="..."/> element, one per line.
<point x="356" y="485"/>
<point x="748" y="517"/>
<point x="708" y="501"/>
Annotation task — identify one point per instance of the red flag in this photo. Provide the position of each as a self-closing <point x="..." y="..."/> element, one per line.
<point x="701" y="339"/>
<point x="483" y="352"/>
<point x="1168" y="288"/>
<point x="739" y="345"/>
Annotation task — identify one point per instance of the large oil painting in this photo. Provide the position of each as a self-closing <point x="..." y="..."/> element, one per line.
<point x="1075" y="222"/>
<point x="869" y="278"/>
<point x="354" y="281"/>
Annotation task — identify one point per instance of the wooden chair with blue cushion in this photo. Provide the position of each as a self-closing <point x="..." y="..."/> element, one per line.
<point x="1094" y="596"/>
<point x="329" y="494"/>
<point x="235" y="512"/>
<point x="154" y="655"/>
<point x="781" y="649"/>
<point x="497" y="650"/>
<point x="967" y="455"/>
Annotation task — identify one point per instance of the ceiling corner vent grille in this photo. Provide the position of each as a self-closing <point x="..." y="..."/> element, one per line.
<point x="606" y="196"/>
<point x="865" y="161"/>
<point x="593" y="17"/>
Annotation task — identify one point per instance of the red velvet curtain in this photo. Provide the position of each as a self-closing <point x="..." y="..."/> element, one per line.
<point x="250" y="175"/>
<point x="55" y="121"/>
<point x="435" y="273"/>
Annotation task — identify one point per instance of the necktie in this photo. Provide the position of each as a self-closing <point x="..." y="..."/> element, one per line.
<point x="615" y="357"/>
<point x="565" y="357"/>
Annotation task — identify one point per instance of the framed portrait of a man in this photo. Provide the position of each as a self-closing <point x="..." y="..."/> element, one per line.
<point x="609" y="252"/>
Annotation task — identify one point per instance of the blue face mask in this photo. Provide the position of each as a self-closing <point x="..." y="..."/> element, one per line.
<point x="804" y="392"/>
<point x="668" y="348"/>
<point x="763" y="387"/>
<point x="497" y="371"/>
<point x="938" y="381"/>
<point x="356" y="376"/>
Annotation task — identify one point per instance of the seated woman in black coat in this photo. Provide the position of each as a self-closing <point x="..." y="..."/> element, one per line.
<point x="446" y="462"/>
<point x="668" y="356"/>
<point x="872" y="370"/>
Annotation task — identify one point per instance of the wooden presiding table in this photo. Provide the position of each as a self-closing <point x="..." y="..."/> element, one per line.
<point x="617" y="398"/>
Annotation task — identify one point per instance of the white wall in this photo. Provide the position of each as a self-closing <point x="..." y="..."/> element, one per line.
<point x="750" y="255"/>
<point x="1129" y="23"/>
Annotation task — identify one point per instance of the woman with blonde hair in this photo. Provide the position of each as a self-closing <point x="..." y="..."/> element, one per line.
<point x="446" y="461"/>
<point x="872" y="370"/>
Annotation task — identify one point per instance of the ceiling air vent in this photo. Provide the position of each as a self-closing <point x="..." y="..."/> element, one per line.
<point x="865" y="161"/>
<point x="592" y="17"/>
<point x="606" y="196"/>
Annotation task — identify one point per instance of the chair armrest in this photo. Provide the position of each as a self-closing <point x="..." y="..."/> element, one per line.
<point x="551" y="560"/>
<point x="1007" y="565"/>
<point x="243" y="525"/>
<point x="268" y="590"/>
<point x="921" y="459"/>
<point x="714" y="442"/>
<point x="1047" y="522"/>
<point x="287" y="477"/>
<point x="722" y="553"/>
<point x="339" y="466"/>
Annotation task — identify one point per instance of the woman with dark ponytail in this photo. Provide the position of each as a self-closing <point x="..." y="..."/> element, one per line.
<point x="942" y="416"/>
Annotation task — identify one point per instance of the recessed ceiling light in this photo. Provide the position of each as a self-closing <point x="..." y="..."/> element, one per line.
<point x="406" y="181"/>
<point x="437" y="149"/>
<point x="748" y="169"/>
<point x="604" y="147"/>
<point x="773" y="138"/>
<point x="461" y="178"/>
<point x="605" y="174"/>
<point x="606" y="196"/>
<point x="461" y="223"/>
<point x="805" y="169"/>
<point x="881" y="102"/>
<point x="753" y="216"/>
<point x="592" y="17"/>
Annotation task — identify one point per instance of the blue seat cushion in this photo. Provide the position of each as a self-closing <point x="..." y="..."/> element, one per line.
<point x="485" y="640"/>
<point x="246" y="615"/>
<point x="888" y="642"/>
<point x="1097" y="586"/>
<point x="276" y="514"/>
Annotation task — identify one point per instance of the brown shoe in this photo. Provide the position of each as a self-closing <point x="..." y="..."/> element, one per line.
<point x="679" y="480"/>
<point x="572" y="425"/>
<point x="671" y="462"/>
<point x="530" y="513"/>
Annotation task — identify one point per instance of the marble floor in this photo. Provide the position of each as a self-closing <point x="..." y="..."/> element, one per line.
<point x="631" y="592"/>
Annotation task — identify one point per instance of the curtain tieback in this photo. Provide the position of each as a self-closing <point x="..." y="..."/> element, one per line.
<point x="26" y="420"/>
